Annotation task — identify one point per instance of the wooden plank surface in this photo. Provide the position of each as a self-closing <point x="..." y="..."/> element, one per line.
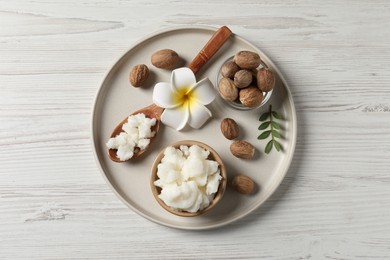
<point x="335" y="200"/>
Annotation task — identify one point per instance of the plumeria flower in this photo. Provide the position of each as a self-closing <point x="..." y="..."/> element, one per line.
<point x="184" y="99"/>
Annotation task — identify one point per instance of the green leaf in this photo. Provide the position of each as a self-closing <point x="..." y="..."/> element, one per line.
<point x="276" y="134"/>
<point x="277" y="145"/>
<point x="275" y="125"/>
<point x="268" y="147"/>
<point x="264" y="116"/>
<point x="264" y="135"/>
<point x="276" y="115"/>
<point x="264" y="125"/>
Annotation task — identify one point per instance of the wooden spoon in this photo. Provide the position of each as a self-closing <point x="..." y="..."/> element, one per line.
<point x="154" y="111"/>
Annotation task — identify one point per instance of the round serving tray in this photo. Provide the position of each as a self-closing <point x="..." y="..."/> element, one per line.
<point x="116" y="99"/>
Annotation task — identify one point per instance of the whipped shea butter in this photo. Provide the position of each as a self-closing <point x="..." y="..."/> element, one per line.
<point x="188" y="180"/>
<point x="136" y="134"/>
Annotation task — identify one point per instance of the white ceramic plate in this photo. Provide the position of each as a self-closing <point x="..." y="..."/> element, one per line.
<point x="116" y="99"/>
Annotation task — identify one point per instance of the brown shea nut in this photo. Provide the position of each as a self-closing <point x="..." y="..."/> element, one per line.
<point x="243" y="184"/>
<point x="166" y="59"/>
<point x="251" y="97"/>
<point x="230" y="128"/>
<point x="229" y="69"/>
<point x="265" y="79"/>
<point x="227" y="89"/>
<point x="138" y="75"/>
<point x="242" y="78"/>
<point x="247" y="59"/>
<point x="242" y="149"/>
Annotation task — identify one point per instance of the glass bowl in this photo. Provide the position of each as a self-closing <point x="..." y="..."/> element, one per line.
<point x="237" y="104"/>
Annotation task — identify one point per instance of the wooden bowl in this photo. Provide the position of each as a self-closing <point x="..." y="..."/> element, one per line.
<point x="213" y="156"/>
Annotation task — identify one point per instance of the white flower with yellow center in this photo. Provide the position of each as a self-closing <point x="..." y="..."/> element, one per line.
<point x="184" y="99"/>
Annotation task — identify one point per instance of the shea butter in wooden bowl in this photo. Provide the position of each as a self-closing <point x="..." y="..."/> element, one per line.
<point x="188" y="178"/>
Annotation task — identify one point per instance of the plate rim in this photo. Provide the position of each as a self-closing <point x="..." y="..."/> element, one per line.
<point x="92" y="136"/>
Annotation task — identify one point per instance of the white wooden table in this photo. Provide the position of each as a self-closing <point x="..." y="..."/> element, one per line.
<point x="335" y="200"/>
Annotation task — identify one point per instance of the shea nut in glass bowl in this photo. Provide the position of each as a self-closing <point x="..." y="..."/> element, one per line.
<point x="244" y="81"/>
<point x="188" y="178"/>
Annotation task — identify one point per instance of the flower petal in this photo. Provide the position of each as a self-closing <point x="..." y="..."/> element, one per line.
<point x="176" y="118"/>
<point x="163" y="95"/>
<point x="198" y="115"/>
<point x="204" y="91"/>
<point x="182" y="78"/>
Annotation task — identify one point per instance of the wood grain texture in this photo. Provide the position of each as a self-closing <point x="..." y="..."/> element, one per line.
<point x="335" y="200"/>
<point x="210" y="48"/>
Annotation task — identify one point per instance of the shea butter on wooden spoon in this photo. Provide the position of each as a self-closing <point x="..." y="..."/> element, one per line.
<point x="134" y="134"/>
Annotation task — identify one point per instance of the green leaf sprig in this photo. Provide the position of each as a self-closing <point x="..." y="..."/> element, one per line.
<point x="273" y="131"/>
